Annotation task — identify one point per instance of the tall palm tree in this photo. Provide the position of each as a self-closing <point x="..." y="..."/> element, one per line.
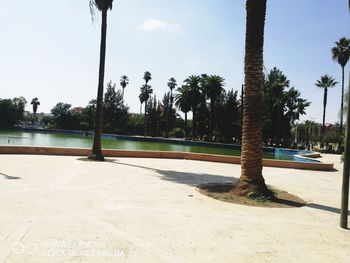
<point x="124" y="81"/>
<point x="341" y="54"/>
<point x="103" y="6"/>
<point x="35" y="102"/>
<point x="194" y="97"/>
<point x="147" y="76"/>
<point x="142" y="100"/>
<point x="251" y="181"/>
<point x="325" y="83"/>
<point x="183" y="103"/>
<point x="145" y="92"/>
<point x="214" y="89"/>
<point x="172" y="85"/>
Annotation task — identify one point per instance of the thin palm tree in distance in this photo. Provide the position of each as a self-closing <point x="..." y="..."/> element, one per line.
<point x="325" y="83"/>
<point x="124" y="81"/>
<point x="103" y="6"/>
<point x="341" y="54"/>
<point x="172" y="85"/>
<point x="147" y="77"/>
<point x="35" y="102"/>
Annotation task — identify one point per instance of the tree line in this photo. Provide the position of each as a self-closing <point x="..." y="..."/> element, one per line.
<point x="216" y="113"/>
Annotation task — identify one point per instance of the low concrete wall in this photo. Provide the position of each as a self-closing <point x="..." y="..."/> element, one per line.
<point x="161" y="154"/>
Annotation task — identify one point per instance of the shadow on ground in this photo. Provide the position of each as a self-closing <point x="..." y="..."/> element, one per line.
<point x="325" y="208"/>
<point x="190" y="179"/>
<point x="8" y="177"/>
<point x="195" y="180"/>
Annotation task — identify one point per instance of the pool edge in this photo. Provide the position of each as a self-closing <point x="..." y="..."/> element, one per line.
<point x="40" y="150"/>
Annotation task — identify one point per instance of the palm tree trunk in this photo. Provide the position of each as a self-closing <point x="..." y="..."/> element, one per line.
<point x="212" y="117"/>
<point x="324" y="110"/>
<point x="251" y="181"/>
<point x="140" y="108"/>
<point x="194" y="123"/>
<point x="123" y="97"/>
<point x="96" y="148"/>
<point x="342" y="101"/>
<point x="145" y="119"/>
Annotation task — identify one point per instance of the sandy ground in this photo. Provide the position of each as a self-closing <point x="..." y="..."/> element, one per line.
<point x="60" y="209"/>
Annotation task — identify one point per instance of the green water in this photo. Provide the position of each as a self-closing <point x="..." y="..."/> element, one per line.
<point x="80" y="141"/>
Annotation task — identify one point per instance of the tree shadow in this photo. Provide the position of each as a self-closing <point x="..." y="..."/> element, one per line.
<point x="191" y="179"/>
<point x="9" y="177"/>
<point x="194" y="180"/>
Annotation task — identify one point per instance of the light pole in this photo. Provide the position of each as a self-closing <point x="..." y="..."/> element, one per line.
<point x="344" y="210"/>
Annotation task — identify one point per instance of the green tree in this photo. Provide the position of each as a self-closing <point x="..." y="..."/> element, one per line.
<point x="228" y="108"/>
<point x="167" y="113"/>
<point x="194" y="98"/>
<point x="282" y="107"/>
<point x="145" y="92"/>
<point x="113" y="104"/>
<point x="172" y="85"/>
<point x="341" y="54"/>
<point x="35" y="102"/>
<point x="274" y="99"/>
<point x="325" y="83"/>
<point x="62" y="115"/>
<point x="214" y="88"/>
<point x="182" y="102"/>
<point x="251" y="181"/>
<point x="124" y="81"/>
<point x="103" y="6"/>
<point x="11" y="111"/>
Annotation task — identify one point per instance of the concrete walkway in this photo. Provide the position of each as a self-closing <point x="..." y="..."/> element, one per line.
<point x="60" y="209"/>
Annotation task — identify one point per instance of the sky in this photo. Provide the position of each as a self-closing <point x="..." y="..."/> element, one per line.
<point x="50" y="49"/>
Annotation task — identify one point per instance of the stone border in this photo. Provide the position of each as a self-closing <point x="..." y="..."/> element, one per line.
<point x="161" y="154"/>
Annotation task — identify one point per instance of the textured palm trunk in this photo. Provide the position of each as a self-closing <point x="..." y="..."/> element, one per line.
<point x="324" y="110"/>
<point x="251" y="180"/>
<point x="96" y="148"/>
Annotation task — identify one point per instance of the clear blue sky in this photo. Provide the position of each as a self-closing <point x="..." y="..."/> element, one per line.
<point x="50" y="49"/>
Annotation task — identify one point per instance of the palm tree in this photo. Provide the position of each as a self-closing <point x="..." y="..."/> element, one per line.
<point x="183" y="103"/>
<point x="35" y="102"/>
<point x="147" y="76"/>
<point x="103" y="6"/>
<point x="341" y="54"/>
<point x="145" y="92"/>
<point x="142" y="100"/>
<point x="194" y="98"/>
<point x="251" y="181"/>
<point x="325" y="83"/>
<point x="214" y="89"/>
<point x="124" y="81"/>
<point x="172" y="85"/>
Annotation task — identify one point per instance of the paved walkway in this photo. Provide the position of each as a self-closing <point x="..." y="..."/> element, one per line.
<point x="60" y="209"/>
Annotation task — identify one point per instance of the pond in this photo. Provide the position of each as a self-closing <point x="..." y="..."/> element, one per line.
<point x="84" y="140"/>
